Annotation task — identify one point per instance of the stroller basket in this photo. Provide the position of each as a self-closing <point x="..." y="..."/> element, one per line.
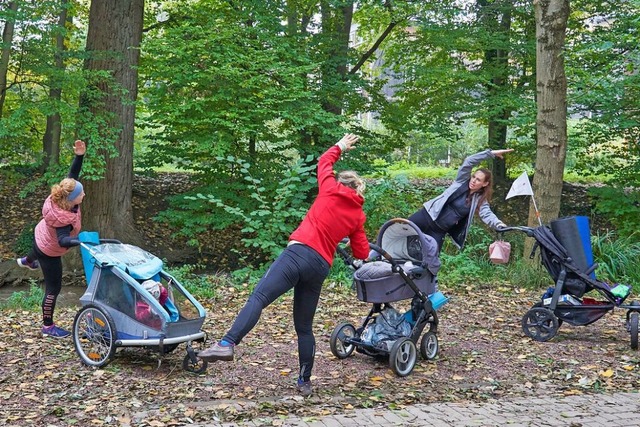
<point x="582" y="315"/>
<point x="376" y="283"/>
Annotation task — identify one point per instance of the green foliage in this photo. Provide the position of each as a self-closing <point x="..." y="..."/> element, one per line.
<point x="388" y="198"/>
<point x="617" y="256"/>
<point x="225" y="79"/>
<point x="602" y="81"/>
<point x="340" y="273"/>
<point x="458" y="267"/>
<point x="621" y="206"/>
<point x="271" y="213"/>
<point x="201" y="286"/>
<point x="25" y="300"/>
<point x="24" y="242"/>
<point x="32" y="73"/>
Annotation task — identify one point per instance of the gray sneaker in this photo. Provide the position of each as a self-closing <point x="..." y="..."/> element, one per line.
<point x="304" y="388"/>
<point x="217" y="352"/>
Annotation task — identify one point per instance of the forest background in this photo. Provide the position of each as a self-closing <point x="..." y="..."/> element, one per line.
<point x="220" y="108"/>
<point x="243" y="96"/>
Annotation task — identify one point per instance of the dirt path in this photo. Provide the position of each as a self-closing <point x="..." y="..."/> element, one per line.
<point x="484" y="355"/>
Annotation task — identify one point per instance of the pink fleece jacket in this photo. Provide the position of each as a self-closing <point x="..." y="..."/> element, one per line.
<point x="54" y="217"/>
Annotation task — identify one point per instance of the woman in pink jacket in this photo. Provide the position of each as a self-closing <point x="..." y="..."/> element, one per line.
<point x="54" y="235"/>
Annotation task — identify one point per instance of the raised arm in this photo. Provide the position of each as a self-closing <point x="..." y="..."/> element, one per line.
<point x="328" y="159"/>
<point x="79" y="149"/>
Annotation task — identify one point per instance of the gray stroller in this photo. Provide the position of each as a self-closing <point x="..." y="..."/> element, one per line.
<point x="404" y="267"/>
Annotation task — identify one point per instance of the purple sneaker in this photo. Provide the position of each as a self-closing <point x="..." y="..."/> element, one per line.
<point x="54" y="332"/>
<point x="24" y="262"/>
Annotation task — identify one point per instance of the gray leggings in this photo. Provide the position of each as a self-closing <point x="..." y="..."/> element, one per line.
<point x="298" y="267"/>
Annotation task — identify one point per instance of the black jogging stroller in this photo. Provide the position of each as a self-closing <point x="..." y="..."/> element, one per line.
<point x="404" y="266"/>
<point x="577" y="298"/>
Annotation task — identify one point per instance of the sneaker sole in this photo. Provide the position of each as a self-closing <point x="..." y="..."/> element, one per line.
<point x="26" y="266"/>
<point x="55" y="336"/>
<point x="214" y="358"/>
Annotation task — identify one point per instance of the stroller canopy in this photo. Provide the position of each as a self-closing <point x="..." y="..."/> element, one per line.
<point x="403" y="240"/>
<point x="139" y="263"/>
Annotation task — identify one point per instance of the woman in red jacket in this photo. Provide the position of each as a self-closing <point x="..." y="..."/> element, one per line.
<point x="335" y="214"/>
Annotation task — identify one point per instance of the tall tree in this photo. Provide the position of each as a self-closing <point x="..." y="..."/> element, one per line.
<point x="53" y="130"/>
<point x="551" y="121"/>
<point x="7" y="41"/>
<point x="113" y="42"/>
<point x="495" y="16"/>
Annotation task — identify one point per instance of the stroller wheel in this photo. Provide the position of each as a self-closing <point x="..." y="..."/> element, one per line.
<point x="94" y="336"/>
<point x="340" y="334"/>
<point x="429" y="346"/>
<point x="540" y="324"/>
<point x="403" y="356"/>
<point x="539" y="304"/>
<point x="633" y="329"/>
<point x="194" y="365"/>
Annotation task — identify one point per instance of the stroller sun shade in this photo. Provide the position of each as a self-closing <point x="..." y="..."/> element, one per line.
<point x="139" y="263"/>
<point x="403" y="240"/>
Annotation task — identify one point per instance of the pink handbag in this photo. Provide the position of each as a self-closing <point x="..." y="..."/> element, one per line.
<point x="499" y="252"/>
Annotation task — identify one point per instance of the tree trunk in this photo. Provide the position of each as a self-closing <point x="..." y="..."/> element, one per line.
<point x="551" y="120"/>
<point x="336" y="26"/>
<point x="113" y="41"/>
<point x="51" y="137"/>
<point x="496" y="19"/>
<point x="7" y="41"/>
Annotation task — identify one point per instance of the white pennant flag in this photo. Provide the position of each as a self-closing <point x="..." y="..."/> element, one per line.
<point x="520" y="187"/>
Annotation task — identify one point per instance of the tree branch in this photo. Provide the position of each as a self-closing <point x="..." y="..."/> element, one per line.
<point x="373" y="48"/>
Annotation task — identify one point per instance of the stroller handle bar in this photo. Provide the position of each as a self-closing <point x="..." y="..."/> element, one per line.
<point x="527" y="230"/>
<point x="349" y="260"/>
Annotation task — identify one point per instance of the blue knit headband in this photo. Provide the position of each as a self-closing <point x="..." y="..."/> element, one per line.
<point x="77" y="190"/>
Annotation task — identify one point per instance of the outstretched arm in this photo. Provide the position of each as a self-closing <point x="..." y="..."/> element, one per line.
<point x="327" y="160"/>
<point x="500" y="153"/>
<point x="464" y="173"/>
<point x="79" y="149"/>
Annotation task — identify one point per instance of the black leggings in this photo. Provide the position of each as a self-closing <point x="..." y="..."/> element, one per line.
<point x="298" y="267"/>
<point x="424" y="222"/>
<point x="52" y="271"/>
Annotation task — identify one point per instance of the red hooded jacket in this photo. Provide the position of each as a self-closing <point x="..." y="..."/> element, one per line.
<point x="335" y="214"/>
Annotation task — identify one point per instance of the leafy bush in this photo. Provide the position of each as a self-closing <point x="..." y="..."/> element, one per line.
<point x="617" y="258"/>
<point x="25" y="300"/>
<point x="24" y="242"/>
<point x="472" y="262"/>
<point x="199" y="285"/>
<point x="388" y="198"/>
<point x="273" y="215"/>
<point x="621" y="206"/>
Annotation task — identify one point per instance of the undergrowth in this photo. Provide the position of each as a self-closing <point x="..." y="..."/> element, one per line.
<point x="25" y="300"/>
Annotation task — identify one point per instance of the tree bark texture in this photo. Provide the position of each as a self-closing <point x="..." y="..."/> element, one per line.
<point x="113" y="41"/>
<point x="336" y="26"/>
<point x="7" y="42"/>
<point x="551" y="120"/>
<point x="496" y="18"/>
<point x="53" y="131"/>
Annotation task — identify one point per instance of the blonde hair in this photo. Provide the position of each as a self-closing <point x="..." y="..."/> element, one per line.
<point x="60" y="193"/>
<point x="352" y="180"/>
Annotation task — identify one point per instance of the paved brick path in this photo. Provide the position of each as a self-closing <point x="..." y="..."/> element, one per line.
<point x="600" y="410"/>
